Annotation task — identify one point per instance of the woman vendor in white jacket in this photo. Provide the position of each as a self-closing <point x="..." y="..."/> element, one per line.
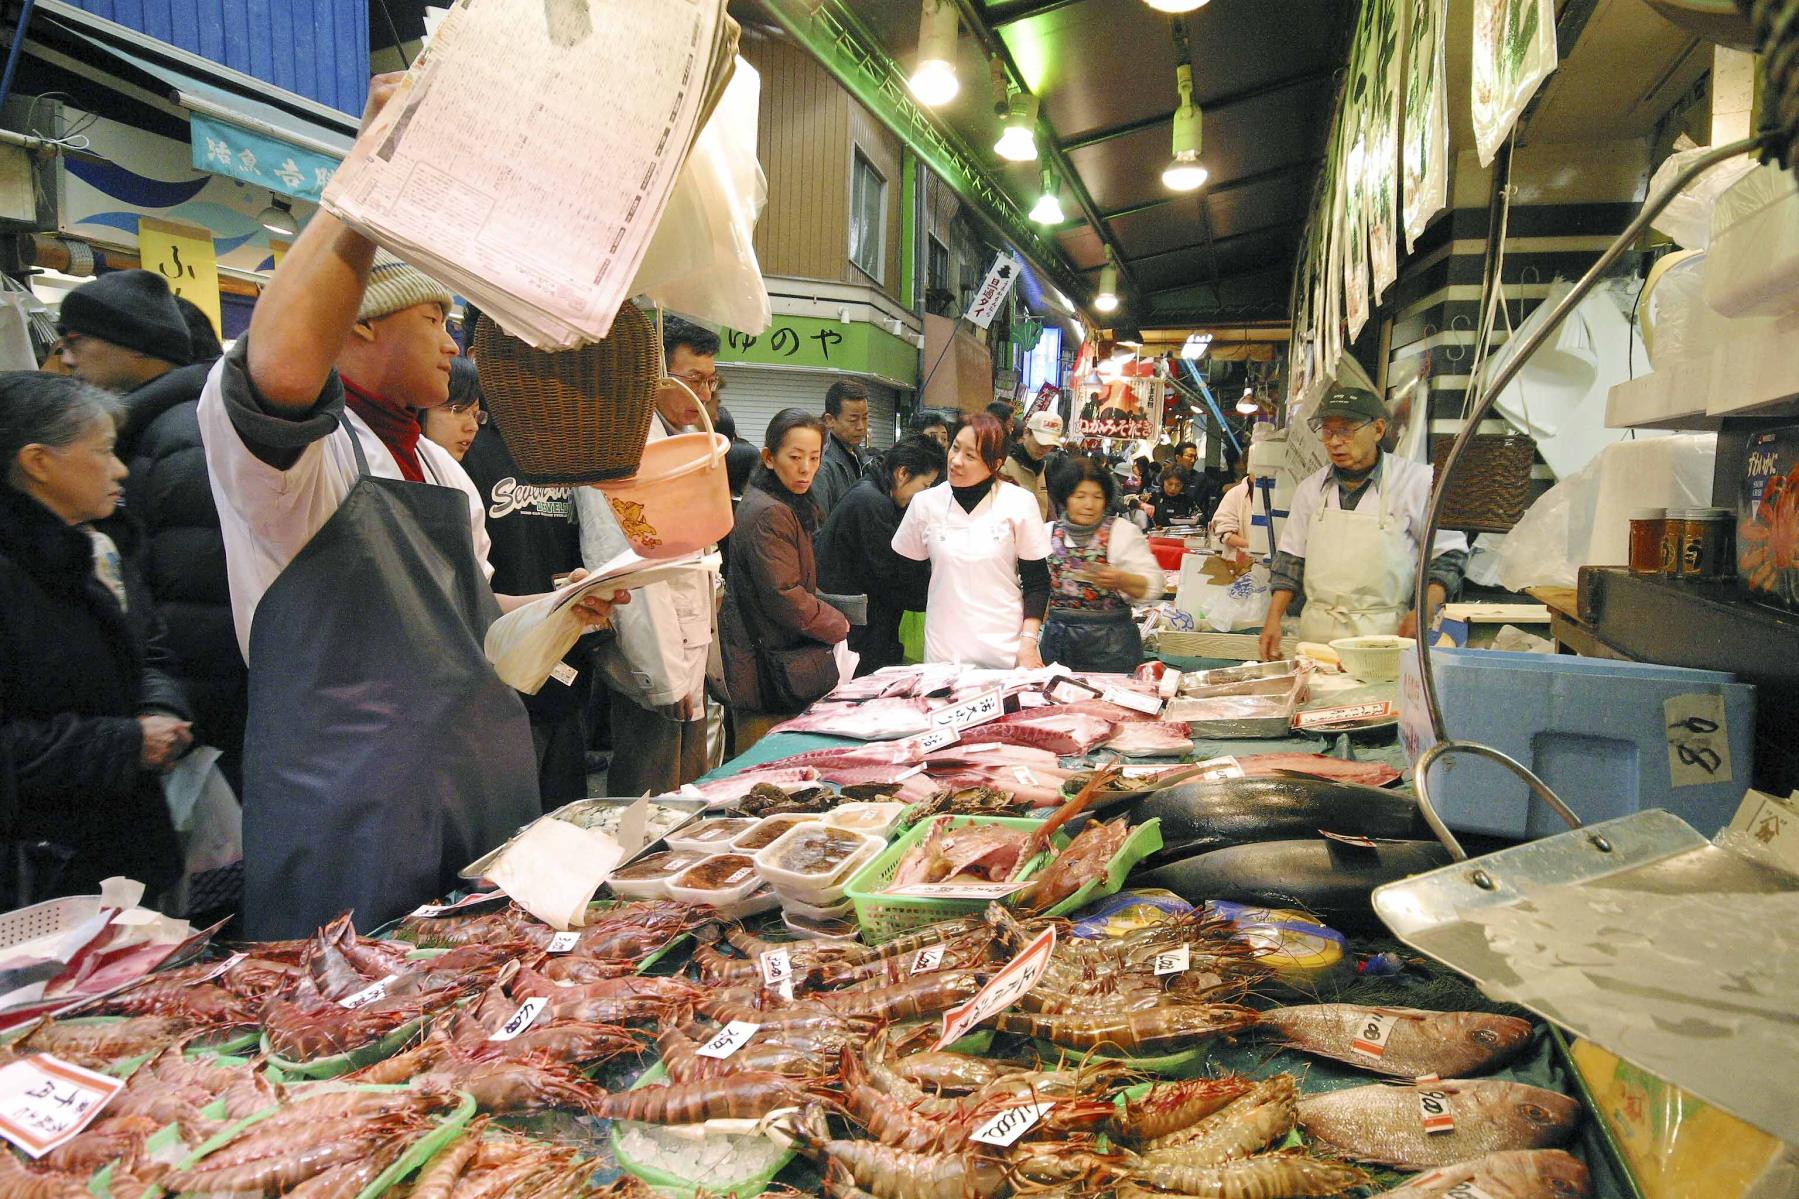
<point x="1099" y="564"/>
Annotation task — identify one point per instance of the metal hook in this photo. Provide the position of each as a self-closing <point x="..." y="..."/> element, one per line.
<point x="1421" y="780"/>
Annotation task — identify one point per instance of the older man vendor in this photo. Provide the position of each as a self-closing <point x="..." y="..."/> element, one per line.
<point x="1352" y="538"/>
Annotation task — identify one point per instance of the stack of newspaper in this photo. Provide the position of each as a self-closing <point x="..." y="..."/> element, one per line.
<point x="530" y="151"/>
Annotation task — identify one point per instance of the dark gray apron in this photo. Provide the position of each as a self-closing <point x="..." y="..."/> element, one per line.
<point x="382" y="753"/>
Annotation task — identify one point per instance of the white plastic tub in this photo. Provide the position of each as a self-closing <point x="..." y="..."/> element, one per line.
<point x="711" y="835"/>
<point x="1753" y="265"/>
<point x="872" y="818"/>
<point x="812" y="858"/>
<point x="841" y="910"/>
<point x="648" y="878"/>
<point x="739" y="879"/>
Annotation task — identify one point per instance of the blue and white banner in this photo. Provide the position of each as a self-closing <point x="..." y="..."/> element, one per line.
<point x="238" y="153"/>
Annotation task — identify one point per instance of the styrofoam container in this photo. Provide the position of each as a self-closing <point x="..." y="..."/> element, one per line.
<point x="761" y="900"/>
<point x="668" y="865"/>
<point x="842" y="910"/>
<point x="829" y="874"/>
<point x="870" y="817"/>
<point x="1752" y="268"/>
<point x="711" y="835"/>
<point x="751" y="841"/>
<point x="736" y="886"/>
<point x="835" y="932"/>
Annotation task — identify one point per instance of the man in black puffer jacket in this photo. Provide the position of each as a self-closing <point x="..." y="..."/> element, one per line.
<point x="131" y="336"/>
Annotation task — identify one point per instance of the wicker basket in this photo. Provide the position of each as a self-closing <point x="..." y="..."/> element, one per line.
<point x="1491" y="486"/>
<point x="578" y="416"/>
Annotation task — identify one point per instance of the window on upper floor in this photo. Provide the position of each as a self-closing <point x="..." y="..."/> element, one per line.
<point x="868" y="217"/>
<point x="936" y="269"/>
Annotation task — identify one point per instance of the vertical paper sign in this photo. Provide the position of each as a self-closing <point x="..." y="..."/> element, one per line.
<point x="183" y="256"/>
<point x="1698" y="739"/>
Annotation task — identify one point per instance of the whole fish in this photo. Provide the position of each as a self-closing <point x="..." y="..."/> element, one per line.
<point x="1214" y="815"/>
<point x="1514" y="1174"/>
<point x="1384" y="1123"/>
<point x="1447" y="1044"/>
<point x="1330" y="880"/>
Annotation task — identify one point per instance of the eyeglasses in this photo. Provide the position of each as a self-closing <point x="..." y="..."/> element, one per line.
<point x="463" y="408"/>
<point x="1336" y="431"/>
<point x="701" y="382"/>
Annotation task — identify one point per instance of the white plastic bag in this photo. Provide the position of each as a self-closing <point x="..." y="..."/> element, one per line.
<point x="209" y="823"/>
<point x="1688" y="217"/>
<point x="1244" y="603"/>
<point x="1514" y="51"/>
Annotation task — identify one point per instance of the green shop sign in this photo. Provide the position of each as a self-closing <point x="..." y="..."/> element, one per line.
<point x="815" y="343"/>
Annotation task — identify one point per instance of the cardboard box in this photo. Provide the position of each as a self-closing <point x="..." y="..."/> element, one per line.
<point x="1609" y="737"/>
<point x="1768" y="518"/>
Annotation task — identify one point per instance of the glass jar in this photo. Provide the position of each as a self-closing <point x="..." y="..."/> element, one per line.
<point x="1648" y="527"/>
<point x="1674" y="529"/>
<point x="1705" y="544"/>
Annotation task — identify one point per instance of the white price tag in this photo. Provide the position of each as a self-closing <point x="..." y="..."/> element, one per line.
<point x="1023" y="774"/>
<point x="988" y="705"/>
<point x="731" y="1038"/>
<point x="1467" y="1190"/>
<point x="1221" y="768"/>
<point x="1005" y="1129"/>
<point x="1173" y="961"/>
<point x="1433" y="1108"/>
<point x="927" y="959"/>
<point x="1004" y="989"/>
<point x="522" y="1019"/>
<point x="563" y="942"/>
<point x="477" y="899"/>
<point x="45" y="1101"/>
<point x="777" y="972"/>
<point x="936" y="739"/>
<point x="1136" y="701"/>
<point x="565" y="674"/>
<point x="1325" y="717"/>
<point x="903" y="775"/>
<point x="373" y="993"/>
<point x="1067" y="691"/>
<point x="1371" y="1032"/>
<point x="959" y="890"/>
<point x="220" y="969"/>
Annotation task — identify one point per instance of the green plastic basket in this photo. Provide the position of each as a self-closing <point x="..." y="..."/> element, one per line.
<point x="674" y="1184"/>
<point x="1144" y="840"/>
<point x="883" y="917"/>
<point x="343" y="1063"/>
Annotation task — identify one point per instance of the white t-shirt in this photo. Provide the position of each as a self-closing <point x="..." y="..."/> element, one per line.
<point x="1404" y="484"/>
<point x="975" y="608"/>
<point x="267" y="515"/>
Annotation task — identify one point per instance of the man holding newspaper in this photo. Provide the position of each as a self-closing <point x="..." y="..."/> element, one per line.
<point x="382" y="751"/>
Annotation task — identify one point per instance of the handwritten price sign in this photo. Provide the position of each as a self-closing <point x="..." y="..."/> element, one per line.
<point x="1372" y="1030"/>
<point x="959" y="890"/>
<point x="1015" y="978"/>
<point x="1433" y="1109"/>
<point x="1005" y="1129"/>
<point x="731" y="1038"/>
<point x="45" y="1101"/>
<point x="927" y="959"/>
<point x="937" y="739"/>
<point x="1174" y="961"/>
<point x="522" y="1019"/>
<point x="373" y="993"/>
<point x="777" y="972"/>
<point x="988" y="705"/>
<point x="1323" y="718"/>
<point x="1136" y="701"/>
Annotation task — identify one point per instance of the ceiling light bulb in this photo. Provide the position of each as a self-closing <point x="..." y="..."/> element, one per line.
<point x="1184" y="172"/>
<point x="1048" y="209"/>
<point x="1019" y="142"/>
<point x="933" y="80"/>
<point x="1196" y="346"/>
<point x="1176" y="5"/>
<point x="1107" y="299"/>
<point x="278" y="218"/>
<point x="1247" y="406"/>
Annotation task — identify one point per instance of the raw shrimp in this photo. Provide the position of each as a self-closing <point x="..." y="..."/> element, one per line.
<point x="200" y="1003"/>
<point x="919" y="995"/>
<point x="511" y="1084"/>
<point x="18" y="1182"/>
<point x="745" y="1094"/>
<point x="1171" y="1106"/>
<point x="99" y="1045"/>
<point x="681" y="1058"/>
<point x="260" y="1162"/>
<point x="439" y="1177"/>
<point x="347" y="1180"/>
<point x="891" y="1121"/>
<point x="956" y="1073"/>
<point x="566" y="967"/>
<point x="1239" y="1129"/>
<point x="1161" y="1029"/>
<point x="1289" y="1175"/>
<point x="889" y="1173"/>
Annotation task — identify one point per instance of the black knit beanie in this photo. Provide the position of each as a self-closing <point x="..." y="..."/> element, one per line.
<point x="134" y="309"/>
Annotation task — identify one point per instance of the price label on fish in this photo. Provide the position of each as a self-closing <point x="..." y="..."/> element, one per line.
<point x="936" y="739"/>
<point x="1372" y="1030"/>
<point x="1433" y="1108"/>
<point x="522" y="1019"/>
<point x="1136" y="701"/>
<point x="731" y="1038"/>
<point x="1220" y="768"/>
<point x="373" y="993"/>
<point x="564" y="942"/>
<point x="927" y="959"/>
<point x="971" y="890"/>
<point x="777" y="972"/>
<point x="1348" y="713"/>
<point x="430" y="911"/>
<point x="1005" y="1129"/>
<point x="1067" y="691"/>
<point x="1173" y="961"/>
<point x="45" y="1101"/>
<point x="1467" y="1190"/>
<point x="1004" y="989"/>
<point x="222" y="968"/>
<point x="988" y="705"/>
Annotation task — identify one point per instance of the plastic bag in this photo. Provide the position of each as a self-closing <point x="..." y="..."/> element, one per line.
<point x="1688" y="217"/>
<point x="701" y="260"/>
<point x="1514" y="51"/>
<point x="210" y="826"/>
<point x="1244" y="603"/>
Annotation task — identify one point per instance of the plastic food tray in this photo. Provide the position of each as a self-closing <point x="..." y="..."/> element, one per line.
<point x="1143" y="840"/>
<point x="817" y="886"/>
<point x="791" y="819"/>
<point x="699" y="836"/>
<point x="674" y="1184"/>
<point x="837" y="911"/>
<point x="893" y="810"/>
<point x="653" y="888"/>
<point x="884" y="917"/>
<point x="720" y="899"/>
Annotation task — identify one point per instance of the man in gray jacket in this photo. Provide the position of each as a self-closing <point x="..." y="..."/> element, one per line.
<point x="846" y="422"/>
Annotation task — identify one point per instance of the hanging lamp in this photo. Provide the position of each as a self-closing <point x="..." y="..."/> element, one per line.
<point x="933" y="81"/>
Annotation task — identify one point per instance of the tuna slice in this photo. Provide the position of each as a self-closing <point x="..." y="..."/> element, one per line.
<point x="734" y="788"/>
<point x="875" y="720"/>
<point x="875" y="753"/>
<point x="1151" y="739"/>
<point x="1072" y="733"/>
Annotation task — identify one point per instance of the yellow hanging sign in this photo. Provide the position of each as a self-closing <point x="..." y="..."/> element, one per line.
<point x="183" y="256"/>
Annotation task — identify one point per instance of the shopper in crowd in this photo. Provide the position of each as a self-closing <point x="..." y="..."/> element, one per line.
<point x="986" y="543"/>
<point x="1007" y="416"/>
<point x="1171" y="501"/>
<point x="90" y="715"/>
<point x="930" y="424"/>
<point x="1231" y="522"/>
<point x="1200" y="485"/>
<point x="778" y="635"/>
<point x="1099" y="565"/>
<point x="1354" y="534"/>
<point x="535" y="542"/>
<point x="855" y="549"/>
<point x="656" y="668"/>
<point x="382" y="753"/>
<point x="1030" y="455"/>
<point x="846" y="428"/>
<point x="127" y="333"/>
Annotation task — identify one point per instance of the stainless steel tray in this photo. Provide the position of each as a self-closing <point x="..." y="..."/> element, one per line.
<point x="587" y="813"/>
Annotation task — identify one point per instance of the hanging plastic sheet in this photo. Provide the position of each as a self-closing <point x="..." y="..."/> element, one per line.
<point x="1514" y="51"/>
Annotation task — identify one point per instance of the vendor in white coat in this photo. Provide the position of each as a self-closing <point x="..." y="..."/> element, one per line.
<point x="986" y="542"/>
<point x="1353" y="535"/>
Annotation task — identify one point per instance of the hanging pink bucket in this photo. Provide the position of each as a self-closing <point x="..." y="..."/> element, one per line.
<point x="679" y="501"/>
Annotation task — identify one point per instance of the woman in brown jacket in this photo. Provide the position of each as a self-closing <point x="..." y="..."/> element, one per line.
<point x="778" y="635"/>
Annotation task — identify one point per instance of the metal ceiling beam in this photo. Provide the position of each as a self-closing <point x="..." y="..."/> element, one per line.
<point x="1258" y="231"/>
<point x="1245" y="96"/>
<point x="1008" y="11"/>
<point x="1205" y="283"/>
<point x="1215" y="189"/>
<point x="995" y="48"/>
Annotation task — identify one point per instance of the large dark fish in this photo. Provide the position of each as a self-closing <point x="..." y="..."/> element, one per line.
<point x="1382" y="1124"/>
<point x="1200" y="816"/>
<point x="1326" y="878"/>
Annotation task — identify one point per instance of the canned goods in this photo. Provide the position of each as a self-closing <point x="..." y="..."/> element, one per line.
<point x="1701" y="541"/>
<point x="1648" y="527"/>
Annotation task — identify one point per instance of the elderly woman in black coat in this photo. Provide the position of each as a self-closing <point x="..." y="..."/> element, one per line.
<point x="90" y="717"/>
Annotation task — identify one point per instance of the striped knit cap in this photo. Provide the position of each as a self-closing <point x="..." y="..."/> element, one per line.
<point x="394" y="285"/>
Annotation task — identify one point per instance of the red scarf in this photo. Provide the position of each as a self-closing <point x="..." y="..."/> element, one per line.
<point x="396" y="425"/>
